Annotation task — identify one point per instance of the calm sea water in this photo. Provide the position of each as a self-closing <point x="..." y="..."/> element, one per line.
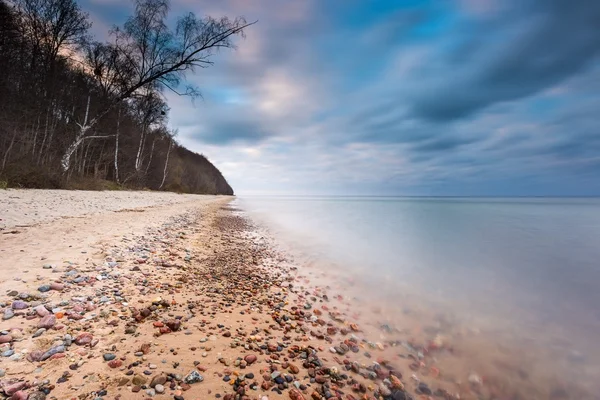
<point x="530" y="266"/>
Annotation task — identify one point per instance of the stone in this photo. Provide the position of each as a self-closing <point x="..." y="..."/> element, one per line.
<point x="139" y="380"/>
<point x="193" y="377"/>
<point x="5" y="339"/>
<point x="54" y="350"/>
<point x="115" y="363"/>
<point x="39" y="332"/>
<point x="475" y="379"/>
<point x="158" y="380"/>
<point x="159" y="388"/>
<point x="8" y="314"/>
<point x="44" y="288"/>
<point x="250" y="359"/>
<point x="47" y="322"/>
<point x="2" y="373"/>
<point x="109" y="356"/>
<point x="84" y="339"/>
<point x="19" y="395"/>
<point x="295" y="394"/>
<point x="41" y="310"/>
<point x="39" y="395"/>
<point x="57" y="286"/>
<point x="19" y="305"/>
<point x="136" y="389"/>
<point x="173" y="324"/>
<point x="8" y="353"/>
<point x="14" y="388"/>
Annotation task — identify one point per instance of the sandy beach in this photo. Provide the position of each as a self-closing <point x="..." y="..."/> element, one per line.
<point x="133" y="295"/>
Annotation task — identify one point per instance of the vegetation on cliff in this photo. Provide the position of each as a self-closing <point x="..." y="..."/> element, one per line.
<point x="79" y="113"/>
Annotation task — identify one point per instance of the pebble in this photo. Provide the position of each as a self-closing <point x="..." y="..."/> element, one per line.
<point x="159" y="388"/>
<point x="47" y="322"/>
<point x="193" y="377"/>
<point x="109" y="356"/>
<point x="2" y="373"/>
<point x="44" y="288"/>
<point x="8" y="314"/>
<point x="41" y="310"/>
<point x="5" y="339"/>
<point x="39" y="332"/>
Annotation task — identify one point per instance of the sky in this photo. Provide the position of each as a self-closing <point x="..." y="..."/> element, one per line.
<point x="404" y="97"/>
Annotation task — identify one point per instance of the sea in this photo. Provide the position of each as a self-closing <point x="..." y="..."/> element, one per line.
<point x="515" y="281"/>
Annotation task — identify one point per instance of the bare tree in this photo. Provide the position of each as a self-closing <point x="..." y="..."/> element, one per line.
<point x="161" y="56"/>
<point x="170" y="139"/>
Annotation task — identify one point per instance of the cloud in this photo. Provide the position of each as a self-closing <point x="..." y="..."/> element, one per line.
<point x="466" y="97"/>
<point x="527" y="48"/>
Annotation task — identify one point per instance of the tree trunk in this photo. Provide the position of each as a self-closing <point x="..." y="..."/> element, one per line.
<point x="117" y="146"/>
<point x="65" y="162"/>
<point x="138" y="158"/>
<point x="150" y="160"/>
<point x="166" y="164"/>
<point x="8" y="149"/>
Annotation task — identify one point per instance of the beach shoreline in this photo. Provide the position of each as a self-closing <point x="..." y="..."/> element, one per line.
<point x="190" y="299"/>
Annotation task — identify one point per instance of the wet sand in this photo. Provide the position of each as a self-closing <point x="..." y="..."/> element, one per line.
<point x="192" y="301"/>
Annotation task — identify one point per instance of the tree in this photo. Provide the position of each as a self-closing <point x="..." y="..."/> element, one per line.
<point x="153" y="55"/>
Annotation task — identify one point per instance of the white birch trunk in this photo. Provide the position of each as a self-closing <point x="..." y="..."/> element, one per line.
<point x="117" y="146"/>
<point x="65" y="162"/>
<point x="166" y="164"/>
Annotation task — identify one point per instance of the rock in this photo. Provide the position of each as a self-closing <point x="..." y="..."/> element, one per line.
<point x="47" y="322"/>
<point x="150" y="392"/>
<point x="5" y="339"/>
<point x="8" y="314"/>
<point x="400" y="395"/>
<point x="384" y="390"/>
<point x="295" y="394"/>
<point x="115" y="363"/>
<point x="7" y="353"/>
<point x="20" y="395"/>
<point x="2" y="373"/>
<point x="44" y="288"/>
<point x="37" y="396"/>
<point x="14" y="388"/>
<point x="39" y="332"/>
<point x="159" y="388"/>
<point x="422" y="388"/>
<point x="173" y="324"/>
<point x="54" y="350"/>
<point x="193" y="377"/>
<point x="123" y="381"/>
<point x="84" y="339"/>
<point x="109" y="356"/>
<point x="57" y="286"/>
<point x="136" y="389"/>
<point x="41" y="310"/>
<point x="158" y="380"/>
<point x="139" y="380"/>
<point x="293" y="369"/>
<point x="250" y="359"/>
<point x="19" y="305"/>
<point x="475" y="379"/>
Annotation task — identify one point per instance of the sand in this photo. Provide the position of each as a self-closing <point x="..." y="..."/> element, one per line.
<point x="145" y="292"/>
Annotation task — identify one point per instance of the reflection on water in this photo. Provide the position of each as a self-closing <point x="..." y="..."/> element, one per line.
<point x="526" y="270"/>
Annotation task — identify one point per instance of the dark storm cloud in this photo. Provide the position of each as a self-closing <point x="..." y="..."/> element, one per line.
<point x="528" y="48"/>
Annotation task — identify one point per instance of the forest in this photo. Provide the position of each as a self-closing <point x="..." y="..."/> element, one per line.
<point x="79" y="113"/>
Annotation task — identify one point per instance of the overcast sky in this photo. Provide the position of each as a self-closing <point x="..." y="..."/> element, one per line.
<point x="465" y="97"/>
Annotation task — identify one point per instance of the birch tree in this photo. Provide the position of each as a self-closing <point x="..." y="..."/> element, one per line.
<point x="157" y="55"/>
